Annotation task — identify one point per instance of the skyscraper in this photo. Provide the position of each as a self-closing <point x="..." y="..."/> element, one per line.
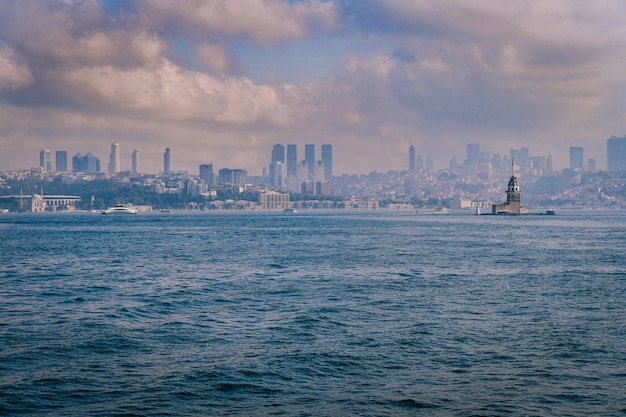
<point x="135" y="161"/>
<point x="87" y="163"/>
<point x="45" y="159"/>
<point x="318" y="172"/>
<point x="114" y="158"/>
<point x="206" y="173"/>
<point x="473" y="153"/>
<point x="61" y="161"/>
<point x="327" y="160"/>
<point x="616" y="154"/>
<point x="278" y="156"/>
<point x="412" y="169"/>
<point x="309" y="157"/>
<point x="576" y="157"/>
<point x="292" y="160"/>
<point x="167" y="157"/>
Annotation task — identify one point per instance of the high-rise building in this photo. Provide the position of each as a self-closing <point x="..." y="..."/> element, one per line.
<point x="318" y="171"/>
<point x="61" y="161"/>
<point x="429" y="164"/>
<point x="45" y="159"/>
<point x="303" y="173"/>
<point x="278" y="156"/>
<point x="591" y="164"/>
<point x="86" y="163"/>
<point x="206" y="173"/>
<point x="114" y="158"/>
<point x="292" y="160"/>
<point x="412" y="169"/>
<point x="232" y="176"/>
<point x="473" y="153"/>
<point x="576" y="157"/>
<point x="135" y="161"/>
<point x="327" y="160"/>
<point x="616" y="154"/>
<point x="309" y="157"/>
<point x="167" y="159"/>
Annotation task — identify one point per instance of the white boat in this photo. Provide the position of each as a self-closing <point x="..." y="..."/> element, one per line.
<point x="119" y="209"/>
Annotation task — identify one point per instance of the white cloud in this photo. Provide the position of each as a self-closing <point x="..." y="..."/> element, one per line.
<point x="13" y="74"/>
<point x="168" y="91"/>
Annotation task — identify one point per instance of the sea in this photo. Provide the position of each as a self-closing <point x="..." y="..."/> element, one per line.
<point x="320" y="313"/>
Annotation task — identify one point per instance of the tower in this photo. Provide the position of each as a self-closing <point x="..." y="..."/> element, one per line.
<point x="575" y="157"/>
<point x="327" y="160"/>
<point x="616" y="154"/>
<point x="309" y="157"/>
<point x="278" y="156"/>
<point x="45" y="159"/>
<point x="412" y="169"/>
<point x="135" y="161"/>
<point x="61" y="161"/>
<point x="114" y="158"/>
<point x="167" y="158"/>
<point x="292" y="160"/>
<point x="206" y="173"/>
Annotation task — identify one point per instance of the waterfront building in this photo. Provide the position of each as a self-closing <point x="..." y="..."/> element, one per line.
<point x="513" y="199"/>
<point x="272" y="200"/>
<point x="45" y="159"/>
<point x="412" y="169"/>
<point x="135" y="161"/>
<point x="576" y="157"/>
<point x="61" y="161"/>
<point x="309" y="157"/>
<point x="167" y="160"/>
<point x="616" y="154"/>
<point x="114" y="158"/>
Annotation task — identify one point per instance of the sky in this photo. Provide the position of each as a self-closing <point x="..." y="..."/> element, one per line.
<point x="221" y="81"/>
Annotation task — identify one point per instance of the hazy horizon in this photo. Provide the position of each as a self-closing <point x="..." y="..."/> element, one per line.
<point x="221" y="82"/>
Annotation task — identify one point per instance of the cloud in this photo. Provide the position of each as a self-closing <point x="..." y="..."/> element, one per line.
<point x="262" y="21"/>
<point x="213" y="56"/>
<point x="171" y="92"/>
<point x="13" y="74"/>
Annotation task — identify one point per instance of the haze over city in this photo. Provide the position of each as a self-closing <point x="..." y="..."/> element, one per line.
<point x="221" y="82"/>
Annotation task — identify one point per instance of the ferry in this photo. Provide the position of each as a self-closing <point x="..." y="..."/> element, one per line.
<point x="119" y="209"/>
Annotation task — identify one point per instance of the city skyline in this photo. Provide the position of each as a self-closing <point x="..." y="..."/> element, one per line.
<point x="215" y="82"/>
<point x="282" y="154"/>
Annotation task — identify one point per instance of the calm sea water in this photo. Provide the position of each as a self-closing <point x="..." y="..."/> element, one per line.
<point x="369" y="313"/>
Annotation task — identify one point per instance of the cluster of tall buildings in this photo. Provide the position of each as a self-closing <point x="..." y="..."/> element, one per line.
<point x="307" y="176"/>
<point x="87" y="162"/>
<point x="416" y="162"/>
